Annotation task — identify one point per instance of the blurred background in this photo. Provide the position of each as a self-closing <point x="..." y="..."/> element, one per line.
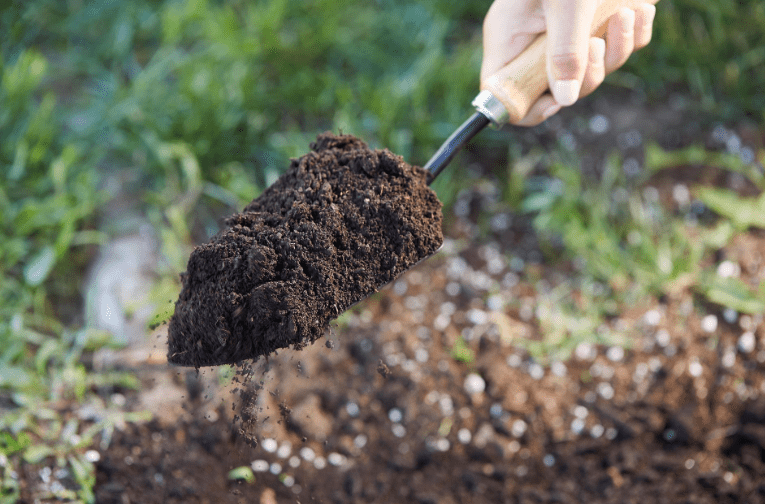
<point x="128" y="130"/>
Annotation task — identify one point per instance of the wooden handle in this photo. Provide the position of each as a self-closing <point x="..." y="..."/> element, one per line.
<point x="522" y="81"/>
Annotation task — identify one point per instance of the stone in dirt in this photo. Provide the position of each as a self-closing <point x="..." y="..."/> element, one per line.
<point x="341" y="222"/>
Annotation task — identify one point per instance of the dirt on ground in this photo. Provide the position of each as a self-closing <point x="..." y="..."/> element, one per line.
<point x="423" y="393"/>
<point x="680" y="417"/>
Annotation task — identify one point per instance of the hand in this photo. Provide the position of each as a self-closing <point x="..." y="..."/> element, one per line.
<point x="576" y="62"/>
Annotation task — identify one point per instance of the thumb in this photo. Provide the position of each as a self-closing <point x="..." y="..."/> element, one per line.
<point x="568" y="36"/>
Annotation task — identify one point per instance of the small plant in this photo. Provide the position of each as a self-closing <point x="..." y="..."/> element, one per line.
<point x="461" y="352"/>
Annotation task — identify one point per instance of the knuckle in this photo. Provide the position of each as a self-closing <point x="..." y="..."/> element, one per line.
<point x="568" y="65"/>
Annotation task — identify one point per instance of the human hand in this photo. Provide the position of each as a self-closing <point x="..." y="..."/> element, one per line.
<point x="577" y="63"/>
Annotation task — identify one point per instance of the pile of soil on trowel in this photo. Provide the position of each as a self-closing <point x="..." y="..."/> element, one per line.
<point x="341" y="222"/>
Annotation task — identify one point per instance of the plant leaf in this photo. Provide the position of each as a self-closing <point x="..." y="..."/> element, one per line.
<point x="40" y="266"/>
<point x="242" y="473"/>
<point x="733" y="293"/>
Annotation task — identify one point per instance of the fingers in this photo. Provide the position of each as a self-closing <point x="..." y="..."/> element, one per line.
<point x="644" y="16"/>
<point x="547" y="106"/>
<point x="620" y="38"/>
<point x="596" y="70"/>
<point x="508" y="28"/>
<point x="568" y="32"/>
<point x="543" y="108"/>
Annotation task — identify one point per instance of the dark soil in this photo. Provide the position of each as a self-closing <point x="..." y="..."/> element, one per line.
<point x="340" y="223"/>
<point x="384" y="412"/>
<point x="665" y="422"/>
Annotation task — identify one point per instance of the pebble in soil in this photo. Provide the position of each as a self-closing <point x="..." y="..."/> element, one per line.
<point x="341" y="222"/>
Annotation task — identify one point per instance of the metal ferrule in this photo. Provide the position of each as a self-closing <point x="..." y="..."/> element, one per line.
<point x="488" y="104"/>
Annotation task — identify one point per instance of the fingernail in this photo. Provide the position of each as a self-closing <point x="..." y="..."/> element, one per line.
<point x="566" y="92"/>
<point x="549" y="111"/>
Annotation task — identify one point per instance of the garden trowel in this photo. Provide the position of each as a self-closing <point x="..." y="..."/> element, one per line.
<point x="507" y="95"/>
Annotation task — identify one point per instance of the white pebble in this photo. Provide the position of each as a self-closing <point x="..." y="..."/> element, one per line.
<point x="495" y="303"/>
<point x="577" y="426"/>
<point x="729" y="358"/>
<point x="549" y="460"/>
<point x="662" y="337"/>
<point x="611" y="433"/>
<point x="730" y="315"/>
<point x="285" y="450"/>
<point x="320" y="463"/>
<point x="276" y="468"/>
<point x="599" y="124"/>
<point x="270" y="445"/>
<point x="495" y="265"/>
<point x="294" y="461"/>
<point x="747" y="342"/>
<point x="681" y="194"/>
<point x="652" y="317"/>
<point x="446" y="404"/>
<point x="336" y="459"/>
<point x="585" y="351"/>
<point x="606" y="391"/>
<point x="474" y="384"/>
<point x="441" y="322"/>
<point x="558" y="369"/>
<point x="353" y="409"/>
<point x="477" y="317"/>
<point x="728" y="269"/>
<point x="615" y="353"/>
<point x="695" y="368"/>
<point x="395" y="415"/>
<point x="308" y="454"/>
<point x="398" y="430"/>
<point x="360" y="441"/>
<point x="456" y="267"/>
<point x="288" y="481"/>
<point x="442" y="444"/>
<point x="519" y="428"/>
<point x="500" y="222"/>
<point x="536" y="371"/>
<point x="580" y="411"/>
<point x="464" y="435"/>
<point x="709" y="323"/>
<point x="510" y="280"/>
<point x="259" y="465"/>
<point x="514" y="360"/>
<point x="92" y="456"/>
<point x="597" y="431"/>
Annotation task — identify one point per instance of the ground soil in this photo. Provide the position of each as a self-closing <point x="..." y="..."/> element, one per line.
<point x="340" y="223"/>
<point x="387" y="411"/>
<point x="671" y="420"/>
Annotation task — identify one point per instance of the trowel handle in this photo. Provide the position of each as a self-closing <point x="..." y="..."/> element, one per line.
<point x="522" y="81"/>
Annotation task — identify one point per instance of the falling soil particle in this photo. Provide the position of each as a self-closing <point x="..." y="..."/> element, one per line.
<point x="383" y="369"/>
<point x="284" y="411"/>
<point x="341" y="222"/>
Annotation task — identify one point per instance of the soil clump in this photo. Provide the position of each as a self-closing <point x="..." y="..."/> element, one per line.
<point x="341" y="222"/>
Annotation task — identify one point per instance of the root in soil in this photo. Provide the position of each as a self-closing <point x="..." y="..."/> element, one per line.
<point x="340" y="223"/>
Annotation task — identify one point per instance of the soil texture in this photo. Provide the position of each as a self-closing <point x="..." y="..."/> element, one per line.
<point x="340" y="223"/>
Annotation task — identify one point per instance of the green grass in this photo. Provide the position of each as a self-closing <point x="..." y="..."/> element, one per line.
<point x="628" y="249"/>
<point x="204" y="102"/>
<point x="712" y="52"/>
